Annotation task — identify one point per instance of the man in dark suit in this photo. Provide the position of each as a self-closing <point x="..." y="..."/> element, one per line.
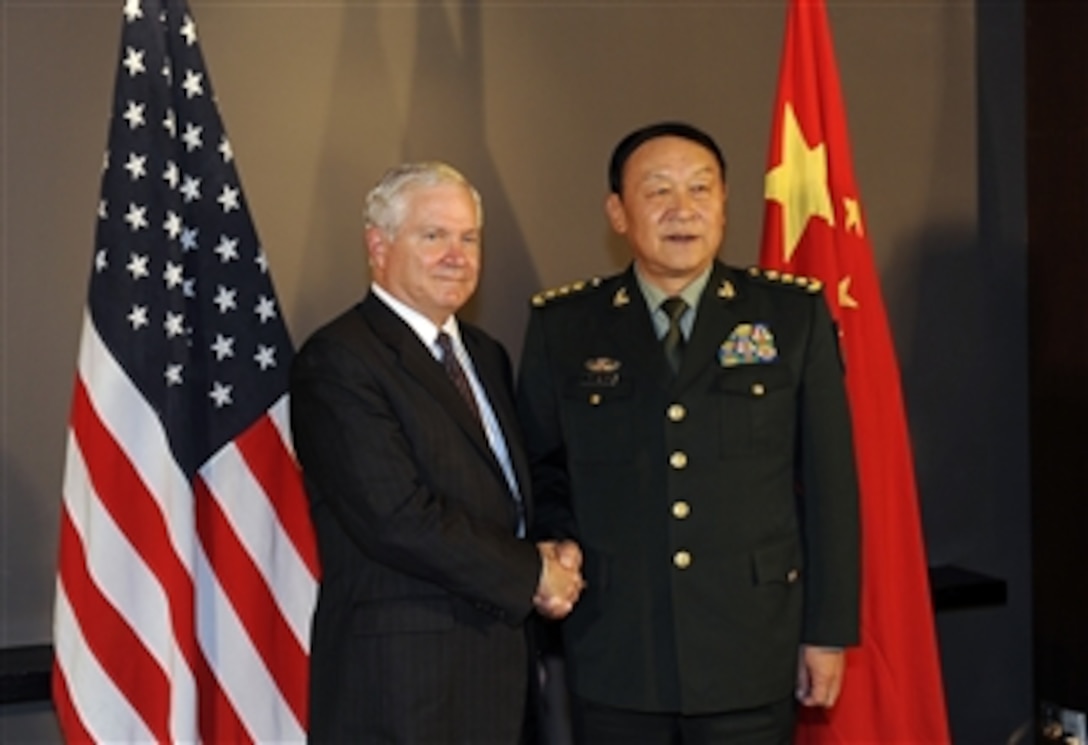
<point x="404" y="423"/>
<point x="687" y="425"/>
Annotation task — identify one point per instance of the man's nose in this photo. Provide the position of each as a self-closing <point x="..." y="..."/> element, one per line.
<point x="683" y="204"/>
<point x="456" y="251"/>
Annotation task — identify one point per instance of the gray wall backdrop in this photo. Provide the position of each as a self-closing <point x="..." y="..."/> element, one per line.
<point x="527" y="98"/>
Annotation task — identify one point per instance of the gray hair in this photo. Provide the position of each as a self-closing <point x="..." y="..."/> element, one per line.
<point x="385" y="203"/>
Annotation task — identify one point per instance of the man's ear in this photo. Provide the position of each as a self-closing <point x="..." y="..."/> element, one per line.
<point x="613" y="207"/>
<point x="377" y="248"/>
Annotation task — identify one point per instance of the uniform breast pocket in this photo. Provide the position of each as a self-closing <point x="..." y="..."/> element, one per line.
<point x="598" y="418"/>
<point x="757" y="407"/>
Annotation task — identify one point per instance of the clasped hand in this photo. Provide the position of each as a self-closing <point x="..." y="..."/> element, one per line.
<point x="560" y="578"/>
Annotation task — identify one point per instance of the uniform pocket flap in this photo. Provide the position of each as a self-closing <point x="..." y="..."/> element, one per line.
<point x="753" y="380"/>
<point x="403" y="616"/>
<point x="780" y="562"/>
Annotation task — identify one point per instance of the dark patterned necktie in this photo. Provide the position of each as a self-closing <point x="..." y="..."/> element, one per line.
<point x="673" y="342"/>
<point x="457" y="373"/>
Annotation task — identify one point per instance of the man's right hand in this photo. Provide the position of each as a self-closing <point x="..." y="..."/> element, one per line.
<point x="560" y="578"/>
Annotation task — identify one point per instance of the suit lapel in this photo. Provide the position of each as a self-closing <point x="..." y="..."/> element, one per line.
<point x="419" y="363"/>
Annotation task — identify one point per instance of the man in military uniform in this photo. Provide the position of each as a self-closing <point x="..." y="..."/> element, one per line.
<point x="688" y="429"/>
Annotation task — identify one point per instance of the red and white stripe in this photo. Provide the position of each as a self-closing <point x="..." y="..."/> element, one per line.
<point x="182" y="609"/>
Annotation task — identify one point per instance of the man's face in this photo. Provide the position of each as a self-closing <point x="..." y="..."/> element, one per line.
<point x="432" y="264"/>
<point x="672" y="210"/>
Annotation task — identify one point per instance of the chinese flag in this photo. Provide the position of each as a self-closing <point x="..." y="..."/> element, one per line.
<point x="814" y="225"/>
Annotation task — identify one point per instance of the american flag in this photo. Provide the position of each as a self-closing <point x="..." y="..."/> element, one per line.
<point x="187" y="570"/>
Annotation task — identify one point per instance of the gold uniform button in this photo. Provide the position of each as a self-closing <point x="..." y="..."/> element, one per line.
<point x="678" y="460"/>
<point x="676" y="413"/>
<point x="758" y="389"/>
<point x="595" y="399"/>
<point x="792" y="575"/>
<point x="682" y="559"/>
<point x="681" y="509"/>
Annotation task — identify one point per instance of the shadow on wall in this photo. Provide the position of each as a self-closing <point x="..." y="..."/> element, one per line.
<point x="446" y="122"/>
<point x="362" y="112"/>
<point x="962" y="361"/>
<point x="372" y="123"/>
<point x="946" y="367"/>
<point x="959" y="290"/>
<point x="29" y="557"/>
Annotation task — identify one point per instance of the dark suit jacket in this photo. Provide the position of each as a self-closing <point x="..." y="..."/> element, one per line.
<point x="418" y="633"/>
<point x="717" y="512"/>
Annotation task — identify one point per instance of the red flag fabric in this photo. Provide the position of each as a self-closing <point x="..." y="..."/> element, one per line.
<point x="814" y="225"/>
<point x="188" y="568"/>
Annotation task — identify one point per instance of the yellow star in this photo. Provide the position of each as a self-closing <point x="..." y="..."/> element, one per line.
<point x="853" y="215"/>
<point x="799" y="182"/>
<point x="845" y="299"/>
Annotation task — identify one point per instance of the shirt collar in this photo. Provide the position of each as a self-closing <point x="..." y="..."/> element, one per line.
<point x="691" y="294"/>
<point x="423" y="327"/>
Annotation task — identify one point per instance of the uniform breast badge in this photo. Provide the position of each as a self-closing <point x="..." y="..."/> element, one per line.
<point x="748" y="344"/>
<point x="602" y="372"/>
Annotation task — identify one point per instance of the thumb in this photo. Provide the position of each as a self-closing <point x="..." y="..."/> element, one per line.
<point x="570" y="555"/>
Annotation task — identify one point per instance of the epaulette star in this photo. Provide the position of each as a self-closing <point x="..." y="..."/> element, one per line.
<point x="811" y="284"/>
<point x="546" y="296"/>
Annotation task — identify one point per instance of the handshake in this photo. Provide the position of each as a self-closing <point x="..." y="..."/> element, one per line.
<point x="560" y="578"/>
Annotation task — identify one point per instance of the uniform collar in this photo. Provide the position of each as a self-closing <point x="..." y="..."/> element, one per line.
<point x="654" y="295"/>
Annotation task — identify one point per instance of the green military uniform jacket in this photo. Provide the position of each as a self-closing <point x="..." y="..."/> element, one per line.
<point x="717" y="511"/>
